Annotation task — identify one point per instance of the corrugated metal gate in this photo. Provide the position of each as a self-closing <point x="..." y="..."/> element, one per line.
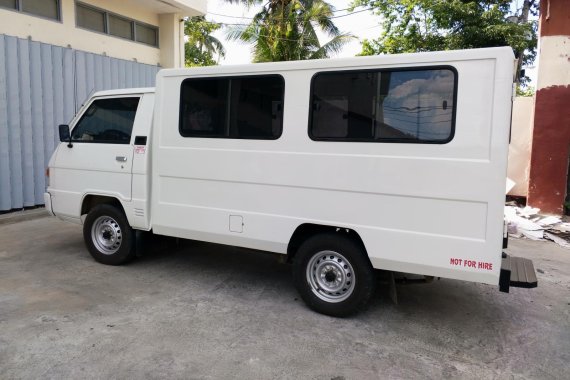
<point x="42" y="86"/>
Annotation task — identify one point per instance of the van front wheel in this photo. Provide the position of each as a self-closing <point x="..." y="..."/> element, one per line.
<point x="333" y="275"/>
<point x="108" y="236"/>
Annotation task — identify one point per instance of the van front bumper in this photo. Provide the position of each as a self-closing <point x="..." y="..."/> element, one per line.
<point x="47" y="201"/>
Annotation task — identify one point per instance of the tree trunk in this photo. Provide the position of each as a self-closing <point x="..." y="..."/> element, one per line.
<point x="523" y="19"/>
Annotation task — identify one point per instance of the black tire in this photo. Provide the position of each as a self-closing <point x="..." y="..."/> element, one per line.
<point x="343" y="253"/>
<point x="120" y="240"/>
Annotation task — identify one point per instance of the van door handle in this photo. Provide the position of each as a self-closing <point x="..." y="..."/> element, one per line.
<point x="121" y="158"/>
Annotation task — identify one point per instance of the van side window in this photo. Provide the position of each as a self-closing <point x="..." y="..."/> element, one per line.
<point x="240" y="108"/>
<point x="408" y="105"/>
<point x="107" y="121"/>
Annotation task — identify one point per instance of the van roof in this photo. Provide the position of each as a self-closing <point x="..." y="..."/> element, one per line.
<point x="125" y="91"/>
<point x="355" y="62"/>
<point x="414" y="59"/>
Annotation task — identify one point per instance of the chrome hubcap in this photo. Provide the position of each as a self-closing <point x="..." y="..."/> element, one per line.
<point x="106" y="235"/>
<point x="330" y="276"/>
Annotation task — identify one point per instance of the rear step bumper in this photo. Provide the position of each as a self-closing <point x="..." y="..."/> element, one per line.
<point x="517" y="272"/>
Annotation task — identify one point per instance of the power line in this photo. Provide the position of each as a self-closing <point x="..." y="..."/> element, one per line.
<point x="415" y="112"/>
<point x="425" y="108"/>
<point x="255" y="34"/>
<point x="221" y="23"/>
<point x="274" y="37"/>
<point x="251" y="18"/>
<point x="267" y="36"/>
<point x="218" y="14"/>
<point x="415" y="122"/>
<point x="352" y="13"/>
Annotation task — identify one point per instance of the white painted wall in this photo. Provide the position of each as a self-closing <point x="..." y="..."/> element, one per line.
<point x="554" y="62"/>
<point x="520" y="146"/>
<point x="171" y="40"/>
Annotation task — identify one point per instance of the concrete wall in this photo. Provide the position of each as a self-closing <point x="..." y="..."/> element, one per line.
<point x="172" y="49"/>
<point x="520" y="146"/>
<point x="42" y="86"/>
<point x="551" y="134"/>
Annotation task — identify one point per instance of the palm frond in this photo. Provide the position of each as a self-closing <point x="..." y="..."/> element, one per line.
<point x="287" y="30"/>
<point x="334" y="46"/>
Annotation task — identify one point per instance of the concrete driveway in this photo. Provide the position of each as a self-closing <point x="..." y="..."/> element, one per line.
<point x="210" y="312"/>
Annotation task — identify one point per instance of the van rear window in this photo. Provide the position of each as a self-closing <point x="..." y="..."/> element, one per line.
<point x="232" y="107"/>
<point x="407" y="105"/>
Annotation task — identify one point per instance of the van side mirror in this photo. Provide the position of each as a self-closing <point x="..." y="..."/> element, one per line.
<point x="65" y="135"/>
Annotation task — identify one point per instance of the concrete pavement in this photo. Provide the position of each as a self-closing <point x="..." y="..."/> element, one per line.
<point x="205" y="311"/>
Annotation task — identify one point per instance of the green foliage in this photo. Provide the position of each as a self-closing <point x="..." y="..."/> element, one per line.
<point x="201" y="48"/>
<point x="525" y="91"/>
<point x="284" y="30"/>
<point x="430" y="25"/>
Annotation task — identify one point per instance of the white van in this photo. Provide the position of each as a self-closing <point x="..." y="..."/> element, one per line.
<point x="344" y="165"/>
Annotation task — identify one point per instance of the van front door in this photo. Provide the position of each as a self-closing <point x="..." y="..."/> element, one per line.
<point x="100" y="158"/>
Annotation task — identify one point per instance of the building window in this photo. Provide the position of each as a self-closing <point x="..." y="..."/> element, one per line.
<point x="99" y="20"/>
<point x="90" y="18"/>
<point x="108" y="121"/>
<point x="407" y="105"/>
<point x="120" y="27"/>
<point x="43" y="8"/>
<point x="238" y="108"/>
<point x="146" y="34"/>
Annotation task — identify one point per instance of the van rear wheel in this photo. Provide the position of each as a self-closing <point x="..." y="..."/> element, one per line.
<point x="108" y="235"/>
<point x="333" y="275"/>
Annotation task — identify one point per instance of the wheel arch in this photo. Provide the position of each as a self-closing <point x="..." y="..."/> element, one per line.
<point x="307" y="230"/>
<point x="91" y="200"/>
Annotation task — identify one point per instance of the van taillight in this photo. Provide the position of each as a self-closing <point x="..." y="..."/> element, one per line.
<point x="47" y="172"/>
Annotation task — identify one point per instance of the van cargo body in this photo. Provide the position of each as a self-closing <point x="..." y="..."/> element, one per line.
<point x="344" y="165"/>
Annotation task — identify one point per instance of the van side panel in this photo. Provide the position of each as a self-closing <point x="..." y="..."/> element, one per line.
<point x="433" y="209"/>
<point x="140" y="205"/>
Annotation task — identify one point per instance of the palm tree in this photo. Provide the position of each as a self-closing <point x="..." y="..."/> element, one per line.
<point x="201" y="47"/>
<point x="285" y="30"/>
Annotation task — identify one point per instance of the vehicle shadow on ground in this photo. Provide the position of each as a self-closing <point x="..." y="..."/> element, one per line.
<point x="445" y="302"/>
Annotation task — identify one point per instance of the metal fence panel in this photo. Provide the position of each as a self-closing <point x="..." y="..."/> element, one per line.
<point x="5" y="188"/>
<point x="26" y="135"/>
<point x="48" y="106"/>
<point x="37" y="121"/>
<point x="14" y="130"/>
<point x="42" y="86"/>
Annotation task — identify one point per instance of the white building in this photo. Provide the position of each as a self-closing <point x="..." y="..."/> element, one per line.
<point x="148" y="31"/>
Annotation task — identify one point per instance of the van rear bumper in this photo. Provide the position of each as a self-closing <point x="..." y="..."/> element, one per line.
<point x="517" y="272"/>
<point x="47" y="201"/>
